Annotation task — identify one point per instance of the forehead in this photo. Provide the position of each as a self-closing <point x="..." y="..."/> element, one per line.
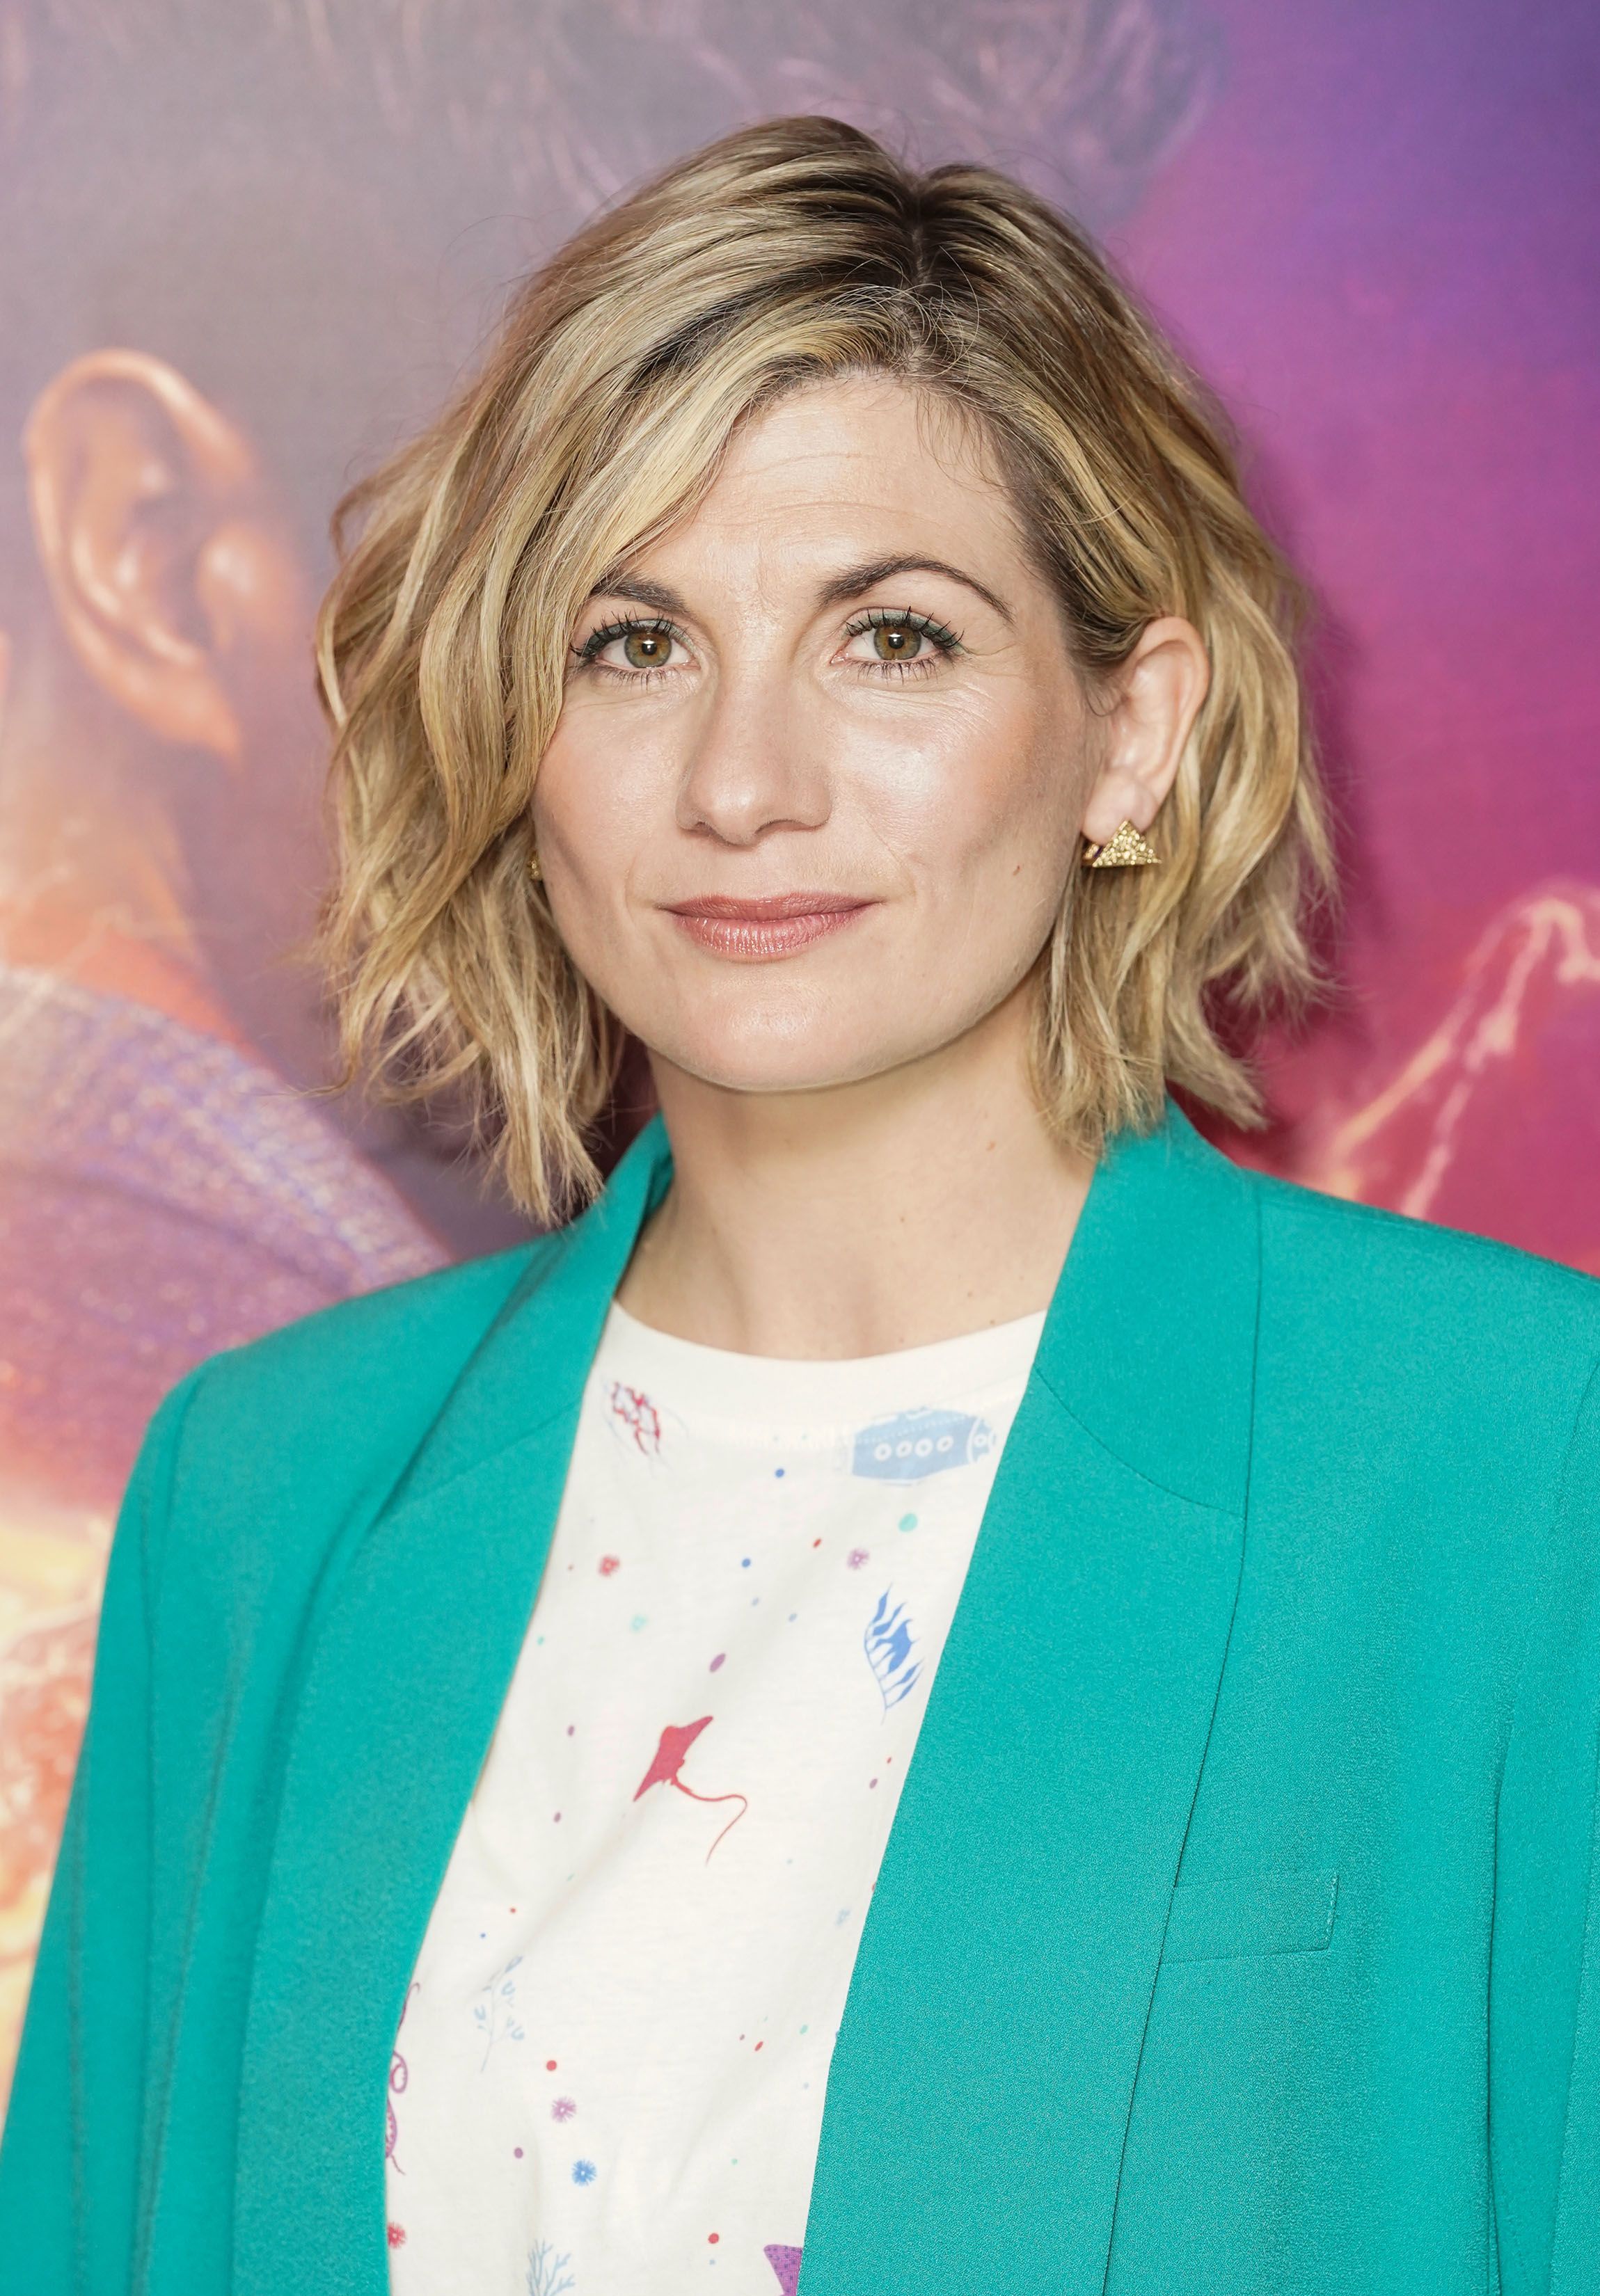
<point x="864" y="463"/>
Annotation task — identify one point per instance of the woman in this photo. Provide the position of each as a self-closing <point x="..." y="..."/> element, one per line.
<point x="827" y="644"/>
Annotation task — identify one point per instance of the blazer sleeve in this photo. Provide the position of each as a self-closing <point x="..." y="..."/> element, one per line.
<point x="70" y="2162"/>
<point x="1544" y="2036"/>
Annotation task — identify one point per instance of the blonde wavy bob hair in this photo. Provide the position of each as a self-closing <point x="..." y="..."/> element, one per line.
<point x="788" y="253"/>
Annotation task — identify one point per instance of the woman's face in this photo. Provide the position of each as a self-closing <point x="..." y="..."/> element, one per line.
<point x="821" y="770"/>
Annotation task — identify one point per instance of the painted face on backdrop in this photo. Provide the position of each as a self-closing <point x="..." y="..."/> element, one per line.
<point x="247" y="255"/>
<point x="1384" y="367"/>
<point x="825" y="761"/>
<point x="162" y="1193"/>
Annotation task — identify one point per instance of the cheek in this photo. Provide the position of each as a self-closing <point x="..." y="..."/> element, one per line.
<point x="981" y="791"/>
<point x="597" y="805"/>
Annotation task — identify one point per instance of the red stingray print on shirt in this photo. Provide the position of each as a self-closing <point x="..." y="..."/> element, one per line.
<point x="670" y="1755"/>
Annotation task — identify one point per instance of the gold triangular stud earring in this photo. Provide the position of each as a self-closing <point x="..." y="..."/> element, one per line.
<point x="1126" y="850"/>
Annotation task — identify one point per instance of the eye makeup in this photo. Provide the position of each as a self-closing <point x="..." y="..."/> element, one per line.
<point x="905" y="643"/>
<point x="903" y="618"/>
<point x="626" y="625"/>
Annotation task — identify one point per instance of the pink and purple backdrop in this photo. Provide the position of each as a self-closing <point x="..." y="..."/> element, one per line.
<point x="247" y="243"/>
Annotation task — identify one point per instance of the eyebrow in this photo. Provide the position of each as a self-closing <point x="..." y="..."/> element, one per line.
<point x="855" y="580"/>
<point x="852" y="582"/>
<point x="641" y="590"/>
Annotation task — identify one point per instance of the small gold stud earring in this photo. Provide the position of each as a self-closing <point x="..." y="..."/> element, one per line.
<point x="1126" y="850"/>
<point x="534" y="867"/>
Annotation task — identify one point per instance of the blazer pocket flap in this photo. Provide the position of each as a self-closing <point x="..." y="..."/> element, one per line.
<point x="1261" y="1913"/>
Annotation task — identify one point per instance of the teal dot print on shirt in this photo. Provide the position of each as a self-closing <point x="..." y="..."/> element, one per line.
<point x="907" y="1523"/>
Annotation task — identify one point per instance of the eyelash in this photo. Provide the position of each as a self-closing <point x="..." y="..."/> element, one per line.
<point x="597" y="641"/>
<point x="945" y="642"/>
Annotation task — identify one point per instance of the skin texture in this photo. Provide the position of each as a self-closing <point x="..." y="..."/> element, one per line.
<point x="860" y="1164"/>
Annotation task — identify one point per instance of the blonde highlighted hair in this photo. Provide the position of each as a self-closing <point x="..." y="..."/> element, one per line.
<point x="787" y="253"/>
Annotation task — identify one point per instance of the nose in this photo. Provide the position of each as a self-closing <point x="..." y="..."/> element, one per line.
<point x="756" y="765"/>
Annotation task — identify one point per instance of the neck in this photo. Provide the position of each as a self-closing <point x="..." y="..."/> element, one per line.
<point x="862" y="1219"/>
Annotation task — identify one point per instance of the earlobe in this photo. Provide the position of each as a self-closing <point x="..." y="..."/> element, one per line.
<point x="1163" y="684"/>
<point x="136" y="483"/>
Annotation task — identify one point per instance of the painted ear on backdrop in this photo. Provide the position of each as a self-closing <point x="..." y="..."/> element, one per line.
<point x="160" y="818"/>
<point x="165" y="564"/>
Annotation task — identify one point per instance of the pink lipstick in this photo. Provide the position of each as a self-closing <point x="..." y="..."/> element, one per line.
<point x="756" y="932"/>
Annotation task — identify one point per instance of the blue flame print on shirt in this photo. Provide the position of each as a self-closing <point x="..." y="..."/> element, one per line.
<point x="889" y="1645"/>
<point x="917" y="1443"/>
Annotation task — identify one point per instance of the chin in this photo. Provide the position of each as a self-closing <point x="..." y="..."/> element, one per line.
<point x="761" y="1060"/>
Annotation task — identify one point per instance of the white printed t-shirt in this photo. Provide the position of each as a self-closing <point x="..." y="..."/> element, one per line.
<point x="609" y="2073"/>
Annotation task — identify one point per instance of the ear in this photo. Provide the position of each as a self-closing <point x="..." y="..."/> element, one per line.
<point x="145" y="511"/>
<point x="1159" y="692"/>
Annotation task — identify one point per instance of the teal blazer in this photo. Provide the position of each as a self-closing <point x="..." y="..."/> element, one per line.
<point x="1238" y="1933"/>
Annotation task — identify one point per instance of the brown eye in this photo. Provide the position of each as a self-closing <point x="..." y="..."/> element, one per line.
<point x="646" y="649"/>
<point x="896" y="642"/>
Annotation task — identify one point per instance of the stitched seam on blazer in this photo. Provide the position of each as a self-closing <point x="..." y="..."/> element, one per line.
<point x="1228" y="1644"/>
<point x="1535" y="1609"/>
<point x="1504" y="2230"/>
<point x="1591" y="1923"/>
<point x="157" y="1510"/>
<point x="1563" y="1489"/>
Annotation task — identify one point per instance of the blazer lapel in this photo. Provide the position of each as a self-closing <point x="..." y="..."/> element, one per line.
<point x="403" y="1685"/>
<point x="984" y="2071"/>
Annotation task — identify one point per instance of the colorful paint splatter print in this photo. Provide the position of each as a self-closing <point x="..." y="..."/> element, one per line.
<point x="637" y="1998"/>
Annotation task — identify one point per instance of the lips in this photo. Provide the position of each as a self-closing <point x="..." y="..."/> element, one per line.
<point x="757" y="930"/>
